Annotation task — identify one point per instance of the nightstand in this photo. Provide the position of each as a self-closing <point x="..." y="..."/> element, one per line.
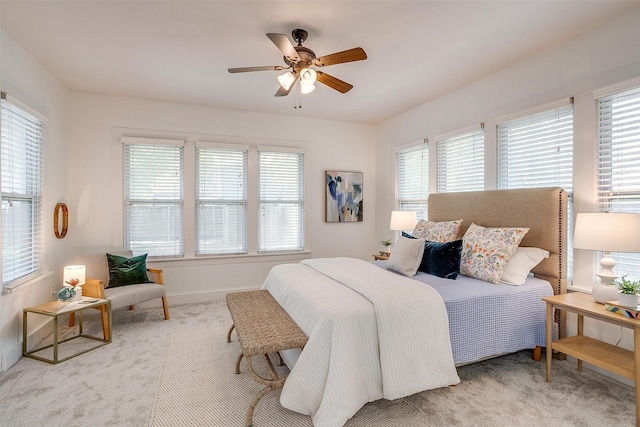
<point x="380" y="257"/>
<point x="606" y="356"/>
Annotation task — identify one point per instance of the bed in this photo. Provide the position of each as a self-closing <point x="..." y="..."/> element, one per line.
<point x="375" y="334"/>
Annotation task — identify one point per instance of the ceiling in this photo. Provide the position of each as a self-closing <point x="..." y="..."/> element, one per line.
<point x="179" y="51"/>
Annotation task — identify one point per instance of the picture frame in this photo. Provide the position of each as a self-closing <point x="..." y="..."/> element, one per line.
<point x="344" y="200"/>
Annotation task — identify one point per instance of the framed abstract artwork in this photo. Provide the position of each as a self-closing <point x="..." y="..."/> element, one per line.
<point x="343" y="196"/>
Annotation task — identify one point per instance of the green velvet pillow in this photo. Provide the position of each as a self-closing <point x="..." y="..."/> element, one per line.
<point x="127" y="271"/>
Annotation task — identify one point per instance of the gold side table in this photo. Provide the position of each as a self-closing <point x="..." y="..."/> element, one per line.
<point x="55" y="309"/>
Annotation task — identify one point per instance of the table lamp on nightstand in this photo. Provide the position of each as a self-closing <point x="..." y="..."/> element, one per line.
<point x="607" y="232"/>
<point x="402" y="220"/>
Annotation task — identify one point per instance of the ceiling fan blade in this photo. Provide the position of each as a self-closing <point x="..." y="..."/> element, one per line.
<point x="355" y="54"/>
<point x="284" y="45"/>
<point x="334" y="83"/>
<point x="265" y="68"/>
<point x="284" y="92"/>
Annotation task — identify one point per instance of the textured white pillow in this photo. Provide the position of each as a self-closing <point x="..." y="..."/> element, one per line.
<point x="406" y="256"/>
<point x="520" y="264"/>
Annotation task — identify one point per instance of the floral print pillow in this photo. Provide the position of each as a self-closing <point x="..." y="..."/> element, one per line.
<point x="485" y="251"/>
<point x="445" y="231"/>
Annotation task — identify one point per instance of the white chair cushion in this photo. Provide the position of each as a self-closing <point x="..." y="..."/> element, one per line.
<point x="124" y="296"/>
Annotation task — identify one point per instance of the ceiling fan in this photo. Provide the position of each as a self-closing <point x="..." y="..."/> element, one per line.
<point x="300" y="59"/>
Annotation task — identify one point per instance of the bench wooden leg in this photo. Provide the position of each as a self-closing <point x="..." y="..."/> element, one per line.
<point x="229" y="333"/>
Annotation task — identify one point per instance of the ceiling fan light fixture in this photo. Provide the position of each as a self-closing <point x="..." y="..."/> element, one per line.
<point x="286" y="80"/>
<point x="308" y="76"/>
<point x="306" y="88"/>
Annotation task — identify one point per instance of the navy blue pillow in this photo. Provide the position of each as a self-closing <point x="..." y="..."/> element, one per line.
<point x="440" y="259"/>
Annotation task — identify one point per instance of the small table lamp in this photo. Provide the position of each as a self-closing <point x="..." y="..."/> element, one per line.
<point x="74" y="276"/>
<point x="607" y="232"/>
<point x="402" y="220"/>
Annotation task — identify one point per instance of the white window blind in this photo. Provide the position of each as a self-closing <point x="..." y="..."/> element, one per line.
<point x="537" y="151"/>
<point x="21" y="139"/>
<point x="221" y="188"/>
<point x="153" y="196"/>
<point x="281" y="201"/>
<point x="461" y="162"/>
<point x="619" y="163"/>
<point x="412" y="177"/>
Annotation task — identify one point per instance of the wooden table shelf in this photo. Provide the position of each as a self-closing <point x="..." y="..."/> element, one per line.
<point x="614" y="359"/>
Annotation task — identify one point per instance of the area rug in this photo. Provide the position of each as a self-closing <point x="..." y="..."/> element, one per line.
<point x="198" y="386"/>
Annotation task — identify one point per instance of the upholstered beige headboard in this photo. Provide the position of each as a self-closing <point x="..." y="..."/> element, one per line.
<point x="542" y="210"/>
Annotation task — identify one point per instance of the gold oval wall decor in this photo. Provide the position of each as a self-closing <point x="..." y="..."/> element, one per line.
<point x="65" y="220"/>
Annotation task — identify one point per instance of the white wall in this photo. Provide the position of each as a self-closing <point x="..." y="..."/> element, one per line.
<point x="95" y="123"/>
<point x="603" y="57"/>
<point x="23" y="78"/>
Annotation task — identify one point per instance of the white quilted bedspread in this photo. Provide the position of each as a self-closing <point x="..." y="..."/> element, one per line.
<point x="372" y="334"/>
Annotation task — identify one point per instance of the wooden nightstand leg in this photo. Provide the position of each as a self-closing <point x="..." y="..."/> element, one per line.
<point x="636" y="363"/>
<point x="580" y="332"/>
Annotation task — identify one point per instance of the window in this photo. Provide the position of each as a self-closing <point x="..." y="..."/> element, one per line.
<point x="221" y="199"/>
<point x="281" y="196"/>
<point x="619" y="162"/>
<point x="153" y="196"/>
<point x="412" y="176"/>
<point x="21" y="139"/>
<point x="461" y="162"/>
<point x="537" y="151"/>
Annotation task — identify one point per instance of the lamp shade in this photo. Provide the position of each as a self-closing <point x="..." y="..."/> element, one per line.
<point x="402" y="220"/>
<point x="308" y="76"/>
<point x="286" y="80"/>
<point x="74" y="275"/>
<point x="307" y="88"/>
<point x="607" y="232"/>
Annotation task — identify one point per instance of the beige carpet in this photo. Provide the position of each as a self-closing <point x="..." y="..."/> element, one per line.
<point x="198" y="386"/>
<point x="116" y="385"/>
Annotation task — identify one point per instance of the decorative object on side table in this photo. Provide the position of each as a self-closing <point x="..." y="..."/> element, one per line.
<point x="628" y="292"/>
<point x="66" y="293"/>
<point x="387" y="247"/>
<point x="607" y="232"/>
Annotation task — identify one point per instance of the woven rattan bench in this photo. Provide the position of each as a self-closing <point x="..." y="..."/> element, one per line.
<point x="262" y="327"/>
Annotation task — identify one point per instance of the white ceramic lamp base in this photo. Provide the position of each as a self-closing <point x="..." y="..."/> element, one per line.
<point x="602" y="293"/>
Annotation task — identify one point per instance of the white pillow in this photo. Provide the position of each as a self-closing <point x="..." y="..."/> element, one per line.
<point x="406" y="256"/>
<point x="520" y="264"/>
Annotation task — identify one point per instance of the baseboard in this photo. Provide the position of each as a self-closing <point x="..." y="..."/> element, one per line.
<point x="194" y="298"/>
<point x="14" y="353"/>
<point x="10" y="357"/>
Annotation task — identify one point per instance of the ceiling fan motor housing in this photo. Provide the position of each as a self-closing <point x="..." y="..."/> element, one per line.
<point x="299" y="35"/>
